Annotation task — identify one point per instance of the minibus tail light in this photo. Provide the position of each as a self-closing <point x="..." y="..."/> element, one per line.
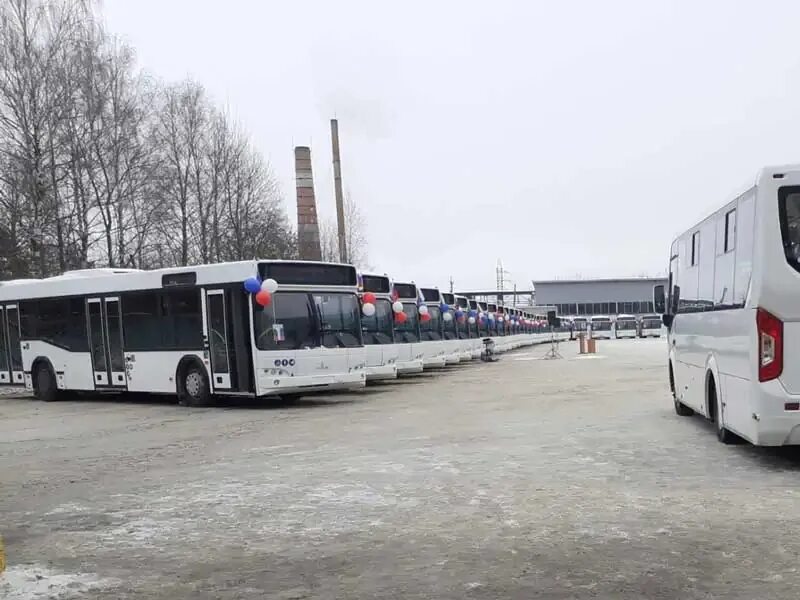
<point x="770" y="345"/>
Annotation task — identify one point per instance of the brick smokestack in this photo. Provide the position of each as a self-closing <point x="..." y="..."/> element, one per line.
<point x="307" y="223"/>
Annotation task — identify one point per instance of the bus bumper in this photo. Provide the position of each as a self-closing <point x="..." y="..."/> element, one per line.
<point x="409" y="367"/>
<point x="382" y="372"/>
<point x="434" y="362"/>
<point x="276" y="386"/>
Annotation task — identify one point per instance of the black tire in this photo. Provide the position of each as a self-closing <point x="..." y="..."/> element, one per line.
<point x="194" y="387"/>
<point x="45" y="387"/>
<point x="724" y="435"/>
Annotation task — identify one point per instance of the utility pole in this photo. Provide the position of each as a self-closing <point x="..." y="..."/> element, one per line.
<point x="337" y="181"/>
<point x="451" y="284"/>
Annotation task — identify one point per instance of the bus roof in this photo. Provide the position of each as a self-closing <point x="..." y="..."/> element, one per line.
<point x="106" y="281"/>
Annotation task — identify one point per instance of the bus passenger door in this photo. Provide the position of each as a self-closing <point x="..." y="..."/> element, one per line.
<point x="216" y="330"/>
<point x="5" y="359"/>
<point x="12" y="331"/>
<point x="105" y="342"/>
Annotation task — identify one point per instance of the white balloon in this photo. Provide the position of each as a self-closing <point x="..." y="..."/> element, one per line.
<point x="269" y="285"/>
<point x="368" y="309"/>
<point x="448" y="316"/>
<point x="397" y="306"/>
<point x="500" y="319"/>
<point x="471" y="320"/>
<point x="423" y="310"/>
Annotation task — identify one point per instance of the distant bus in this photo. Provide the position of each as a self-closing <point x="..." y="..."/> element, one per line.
<point x="601" y="327"/>
<point x="190" y="331"/>
<point x="378" y="330"/>
<point x="650" y="326"/>
<point x="625" y="326"/>
<point x="407" y="334"/>
<point x="455" y="354"/>
<point x="733" y="317"/>
<point x="432" y="330"/>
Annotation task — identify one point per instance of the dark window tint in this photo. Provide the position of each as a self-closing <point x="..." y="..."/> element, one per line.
<point x="288" y="323"/>
<point x="405" y="290"/>
<point x="299" y="273"/>
<point x="217" y="333"/>
<point x="408" y="331"/>
<point x="431" y="295"/>
<point x="59" y="321"/>
<point x="432" y="328"/>
<point x="4" y="362"/>
<point x="448" y="298"/>
<point x="462" y="302"/>
<point x="178" y="279"/>
<point x="379" y="328"/>
<point x="98" y="336"/>
<point x="790" y="224"/>
<point x="730" y="231"/>
<point x="339" y="319"/>
<point x="695" y="248"/>
<point x="12" y="315"/>
<point x="183" y="321"/>
<point x="375" y="283"/>
<point x="141" y="321"/>
<point x="114" y="336"/>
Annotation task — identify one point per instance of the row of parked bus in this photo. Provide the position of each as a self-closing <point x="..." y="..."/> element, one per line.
<point x="250" y="328"/>
<point x="621" y="326"/>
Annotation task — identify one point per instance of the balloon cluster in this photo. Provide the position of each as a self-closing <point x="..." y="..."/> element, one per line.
<point x="399" y="316"/>
<point x="424" y="314"/>
<point x="445" y="310"/>
<point x="262" y="290"/>
<point x="368" y="304"/>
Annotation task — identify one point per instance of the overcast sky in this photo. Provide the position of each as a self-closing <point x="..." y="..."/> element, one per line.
<point x="564" y="138"/>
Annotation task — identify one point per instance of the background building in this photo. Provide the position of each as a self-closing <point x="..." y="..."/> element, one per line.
<point x="598" y="296"/>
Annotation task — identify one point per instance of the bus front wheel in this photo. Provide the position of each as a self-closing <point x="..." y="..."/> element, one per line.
<point x="45" y="387"/>
<point x="194" y="388"/>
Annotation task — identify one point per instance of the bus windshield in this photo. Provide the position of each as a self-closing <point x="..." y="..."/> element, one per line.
<point x="601" y="324"/>
<point x="626" y="324"/>
<point x="379" y="329"/>
<point x="431" y="329"/>
<point x="409" y="331"/>
<point x="450" y="328"/>
<point x="287" y="324"/>
<point x="339" y="320"/>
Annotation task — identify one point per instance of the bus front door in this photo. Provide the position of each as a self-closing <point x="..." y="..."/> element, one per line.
<point x="215" y="330"/>
<point x="11" y="353"/>
<point x="105" y="342"/>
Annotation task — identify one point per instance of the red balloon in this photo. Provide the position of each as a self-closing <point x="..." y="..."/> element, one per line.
<point x="425" y="318"/>
<point x="400" y="318"/>
<point x="264" y="298"/>
<point x="368" y="298"/>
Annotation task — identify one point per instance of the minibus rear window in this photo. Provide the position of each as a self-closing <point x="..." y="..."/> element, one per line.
<point x="789" y="208"/>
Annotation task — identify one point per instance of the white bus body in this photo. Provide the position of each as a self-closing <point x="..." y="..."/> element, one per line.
<point x="466" y="332"/>
<point x="626" y="326"/>
<point x="193" y="331"/>
<point x="378" y="330"/>
<point x="650" y="326"/>
<point x="733" y="314"/>
<point x="435" y="348"/>
<point x="407" y="334"/>
<point x="601" y="327"/>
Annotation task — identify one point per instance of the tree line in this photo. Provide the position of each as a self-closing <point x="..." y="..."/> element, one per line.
<point x="102" y="165"/>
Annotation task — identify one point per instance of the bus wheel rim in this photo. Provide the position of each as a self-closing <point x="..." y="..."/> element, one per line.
<point x="194" y="384"/>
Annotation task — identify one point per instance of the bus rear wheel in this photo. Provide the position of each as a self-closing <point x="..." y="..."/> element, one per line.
<point x="194" y="388"/>
<point x="45" y="387"/>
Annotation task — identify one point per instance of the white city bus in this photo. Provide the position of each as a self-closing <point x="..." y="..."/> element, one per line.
<point x="191" y="331"/>
<point x="378" y="329"/>
<point x="650" y="326"/>
<point x="466" y="333"/>
<point x="601" y="327"/>
<point x="475" y="334"/>
<point x="625" y="326"/>
<point x="435" y="349"/>
<point x="407" y="334"/>
<point x="733" y="314"/>
<point x="454" y="345"/>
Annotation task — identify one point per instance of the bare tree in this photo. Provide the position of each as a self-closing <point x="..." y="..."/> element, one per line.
<point x="355" y="236"/>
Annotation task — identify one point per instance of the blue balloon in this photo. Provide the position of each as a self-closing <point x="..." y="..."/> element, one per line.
<point x="473" y="313"/>
<point x="459" y="313"/>
<point x="443" y="307"/>
<point x="252" y="285"/>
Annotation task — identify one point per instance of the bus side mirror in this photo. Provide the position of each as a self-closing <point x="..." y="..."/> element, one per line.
<point x="667" y="320"/>
<point x="659" y="299"/>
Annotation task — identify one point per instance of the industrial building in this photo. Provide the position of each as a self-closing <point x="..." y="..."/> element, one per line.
<point x="598" y="296"/>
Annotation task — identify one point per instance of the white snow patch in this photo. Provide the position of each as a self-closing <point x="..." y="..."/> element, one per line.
<point x="34" y="582"/>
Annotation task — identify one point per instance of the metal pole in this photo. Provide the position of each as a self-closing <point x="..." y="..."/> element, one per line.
<point x="337" y="180"/>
